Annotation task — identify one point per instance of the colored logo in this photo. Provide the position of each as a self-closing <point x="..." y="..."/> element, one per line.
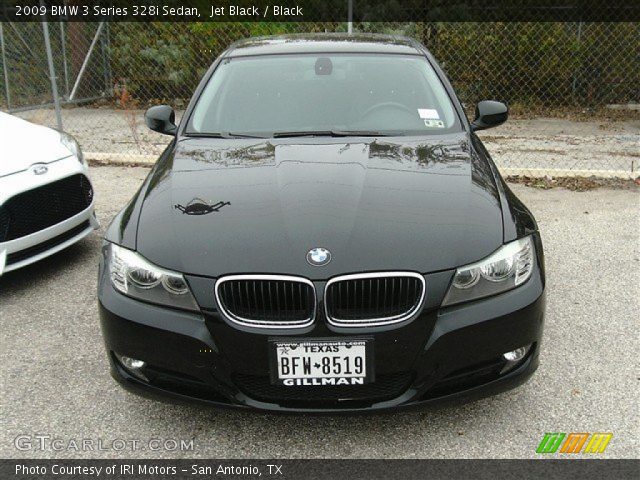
<point x="574" y="442"/>
<point x="318" y="256"/>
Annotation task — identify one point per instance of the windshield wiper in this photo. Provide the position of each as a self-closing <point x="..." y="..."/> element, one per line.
<point x="331" y="133"/>
<point x="241" y="135"/>
<point x="223" y="135"/>
<point x="302" y="133"/>
<point x="360" y="133"/>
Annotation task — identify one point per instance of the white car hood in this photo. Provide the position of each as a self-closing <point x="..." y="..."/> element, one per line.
<point x="23" y="143"/>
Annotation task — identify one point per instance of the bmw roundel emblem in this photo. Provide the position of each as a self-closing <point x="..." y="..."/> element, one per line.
<point x="318" y="256"/>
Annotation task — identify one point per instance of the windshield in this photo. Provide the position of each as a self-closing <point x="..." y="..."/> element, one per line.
<point x="340" y="94"/>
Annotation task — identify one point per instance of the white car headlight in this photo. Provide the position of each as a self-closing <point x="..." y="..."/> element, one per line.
<point x="72" y="145"/>
<point x="136" y="277"/>
<point x="506" y="268"/>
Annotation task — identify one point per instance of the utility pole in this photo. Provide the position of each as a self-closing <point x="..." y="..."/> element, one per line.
<point x="52" y="70"/>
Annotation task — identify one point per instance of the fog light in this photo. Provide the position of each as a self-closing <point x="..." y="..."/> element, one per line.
<point x="132" y="365"/>
<point x="514" y="357"/>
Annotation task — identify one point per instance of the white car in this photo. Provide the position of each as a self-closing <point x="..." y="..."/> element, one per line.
<point x="46" y="197"/>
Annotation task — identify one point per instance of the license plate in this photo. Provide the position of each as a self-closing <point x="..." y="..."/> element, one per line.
<point x="324" y="362"/>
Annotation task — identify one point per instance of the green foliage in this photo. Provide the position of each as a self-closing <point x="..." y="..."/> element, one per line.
<point x="153" y="60"/>
<point x="165" y="61"/>
<point x="524" y="63"/>
<point x="538" y="63"/>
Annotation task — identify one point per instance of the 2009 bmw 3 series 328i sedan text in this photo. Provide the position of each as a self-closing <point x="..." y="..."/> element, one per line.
<point x="325" y="232"/>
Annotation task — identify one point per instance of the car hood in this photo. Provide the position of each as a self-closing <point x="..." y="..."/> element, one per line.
<point x="215" y="206"/>
<point x="25" y="143"/>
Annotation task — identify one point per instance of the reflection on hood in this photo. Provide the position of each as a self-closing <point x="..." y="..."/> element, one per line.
<point x="231" y="156"/>
<point x="422" y="154"/>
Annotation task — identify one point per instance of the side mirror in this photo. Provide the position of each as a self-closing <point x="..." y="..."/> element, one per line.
<point x="161" y="119"/>
<point x="489" y="113"/>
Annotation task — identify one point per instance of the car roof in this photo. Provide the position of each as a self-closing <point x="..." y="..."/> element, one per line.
<point x="325" y="43"/>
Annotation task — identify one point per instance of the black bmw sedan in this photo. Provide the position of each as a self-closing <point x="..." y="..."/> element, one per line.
<point x="325" y="232"/>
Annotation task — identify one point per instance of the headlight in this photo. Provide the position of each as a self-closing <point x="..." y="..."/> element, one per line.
<point x="72" y="145"/>
<point x="136" y="277"/>
<point x="508" y="267"/>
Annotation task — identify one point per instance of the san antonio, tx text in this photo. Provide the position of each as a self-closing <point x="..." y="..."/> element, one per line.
<point x="144" y="469"/>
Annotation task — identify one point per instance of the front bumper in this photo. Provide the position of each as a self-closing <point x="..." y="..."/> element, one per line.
<point x="28" y="249"/>
<point x="440" y="355"/>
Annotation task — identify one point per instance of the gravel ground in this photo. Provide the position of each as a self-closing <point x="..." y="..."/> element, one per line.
<point x="536" y="147"/>
<point x="55" y="377"/>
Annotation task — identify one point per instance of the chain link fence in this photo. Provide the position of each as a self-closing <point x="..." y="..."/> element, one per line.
<point x="107" y="74"/>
